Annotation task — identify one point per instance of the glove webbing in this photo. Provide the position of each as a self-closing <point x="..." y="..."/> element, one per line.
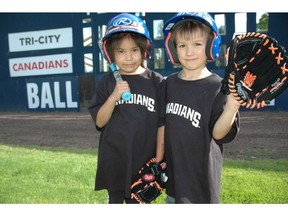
<point x="152" y="186"/>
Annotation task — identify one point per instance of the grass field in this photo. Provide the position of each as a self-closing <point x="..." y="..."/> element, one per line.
<point x="38" y="175"/>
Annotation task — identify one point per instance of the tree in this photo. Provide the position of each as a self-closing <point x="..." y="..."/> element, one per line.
<point x="262" y="25"/>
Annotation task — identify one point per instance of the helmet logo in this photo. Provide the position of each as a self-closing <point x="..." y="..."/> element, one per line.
<point x="122" y="21"/>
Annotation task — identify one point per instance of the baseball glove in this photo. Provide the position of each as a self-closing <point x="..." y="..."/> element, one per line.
<point x="256" y="70"/>
<point x="149" y="182"/>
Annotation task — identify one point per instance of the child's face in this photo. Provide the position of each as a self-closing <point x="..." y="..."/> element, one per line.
<point x="191" y="49"/>
<point x="128" y="55"/>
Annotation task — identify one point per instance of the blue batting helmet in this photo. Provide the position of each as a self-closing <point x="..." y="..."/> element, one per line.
<point x="123" y="23"/>
<point x="213" y="46"/>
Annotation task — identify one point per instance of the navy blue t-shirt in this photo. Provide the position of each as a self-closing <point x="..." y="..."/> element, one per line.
<point x="128" y="140"/>
<point x="194" y="159"/>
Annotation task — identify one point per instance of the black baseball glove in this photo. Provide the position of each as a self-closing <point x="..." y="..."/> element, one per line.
<point x="256" y="70"/>
<point x="149" y="182"/>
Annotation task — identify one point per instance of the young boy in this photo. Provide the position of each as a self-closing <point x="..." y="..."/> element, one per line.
<point x="200" y="119"/>
<point x="128" y="128"/>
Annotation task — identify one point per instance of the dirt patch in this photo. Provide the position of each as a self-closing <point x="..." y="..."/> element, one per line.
<point x="263" y="134"/>
<point x="48" y="129"/>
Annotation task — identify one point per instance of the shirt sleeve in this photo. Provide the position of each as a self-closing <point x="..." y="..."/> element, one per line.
<point x="216" y="112"/>
<point x="233" y="132"/>
<point x="162" y="103"/>
<point x="100" y="96"/>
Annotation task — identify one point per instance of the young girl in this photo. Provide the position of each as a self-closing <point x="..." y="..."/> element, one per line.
<point x="130" y="128"/>
<point x="200" y="119"/>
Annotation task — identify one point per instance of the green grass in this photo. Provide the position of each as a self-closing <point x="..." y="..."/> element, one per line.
<point x="41" y="175"/>
<point x="48" y="175"/>
<point x="259" y="181"/>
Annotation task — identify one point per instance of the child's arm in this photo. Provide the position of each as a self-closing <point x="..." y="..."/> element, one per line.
<point x="224" y="124"/>
<point x="106" y="110"/>
<point x="160" y="144"/>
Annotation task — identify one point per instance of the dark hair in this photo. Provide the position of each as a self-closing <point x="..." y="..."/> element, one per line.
<point x="115" y="39"/>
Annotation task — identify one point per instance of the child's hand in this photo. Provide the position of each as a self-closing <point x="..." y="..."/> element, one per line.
<point x="232" y="103"/>
<point x="119" y="89"/>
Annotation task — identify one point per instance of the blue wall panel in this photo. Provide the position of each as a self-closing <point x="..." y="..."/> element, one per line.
<point x="13" y="90"/>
